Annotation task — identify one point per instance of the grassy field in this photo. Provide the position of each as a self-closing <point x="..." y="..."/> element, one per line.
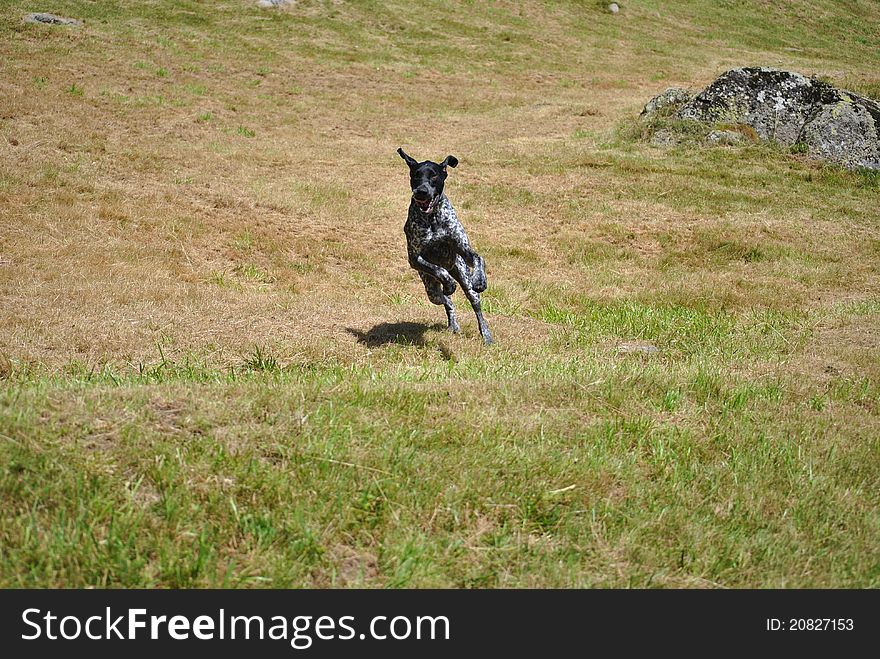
<point x="217" y="369"/>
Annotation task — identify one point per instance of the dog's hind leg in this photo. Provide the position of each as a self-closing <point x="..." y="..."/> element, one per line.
<point x="478" y="277"/>
<point x="474" y="298"/>
<point x="463" y="276"/>
<point x="476" y="274"/>
<point x="434" y="289"/>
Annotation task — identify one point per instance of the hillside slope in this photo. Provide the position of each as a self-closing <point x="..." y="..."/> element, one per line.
<point x="218" y="368"/>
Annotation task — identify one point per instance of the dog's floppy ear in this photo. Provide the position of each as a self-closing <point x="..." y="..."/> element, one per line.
<point x="409" y="161"/>
<point x="452" y="161"/>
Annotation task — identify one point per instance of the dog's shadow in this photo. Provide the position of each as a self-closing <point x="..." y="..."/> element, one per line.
<point x="405" y="333"/>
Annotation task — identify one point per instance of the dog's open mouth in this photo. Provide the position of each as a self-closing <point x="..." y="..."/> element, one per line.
<point x="426" y="205"/>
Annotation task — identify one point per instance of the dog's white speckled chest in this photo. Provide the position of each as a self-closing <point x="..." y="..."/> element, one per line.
<point x="423" y="230"/>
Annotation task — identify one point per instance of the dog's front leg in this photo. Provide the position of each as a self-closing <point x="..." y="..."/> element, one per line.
<point x="442" y="275"/>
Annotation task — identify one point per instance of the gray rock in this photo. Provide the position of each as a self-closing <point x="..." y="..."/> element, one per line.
<point x="50" y="19"/>
<point x="790" y="108"/>
<point x="775" y="103"/>
<point x="841" y="132"/>
<point x="614" y="8"/>
<point x="728" y="137"/>
<point x="273" y="3"/>
<point x="672" y="97"/>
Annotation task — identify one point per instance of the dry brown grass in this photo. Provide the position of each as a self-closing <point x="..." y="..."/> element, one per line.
<point x="120" y="215"/>
<point x="176" y="183"/>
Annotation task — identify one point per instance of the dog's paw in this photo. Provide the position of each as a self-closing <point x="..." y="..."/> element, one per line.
<point x="449" y="287"/>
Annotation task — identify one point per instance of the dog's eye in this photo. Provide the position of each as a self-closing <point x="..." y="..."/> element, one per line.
<point x="434" y="179"/>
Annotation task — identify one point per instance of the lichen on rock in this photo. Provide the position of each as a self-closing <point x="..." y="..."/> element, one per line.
<point x="788" y="108"/>
<point x="671" y="98"/>
<point x="841" y="132"/>
<point x="775" y="103"/>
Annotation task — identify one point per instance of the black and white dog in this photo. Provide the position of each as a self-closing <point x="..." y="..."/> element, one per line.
<point x="437" y="244"/>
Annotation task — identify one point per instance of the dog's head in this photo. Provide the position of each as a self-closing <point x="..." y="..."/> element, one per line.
<point x="426" y="180"/>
